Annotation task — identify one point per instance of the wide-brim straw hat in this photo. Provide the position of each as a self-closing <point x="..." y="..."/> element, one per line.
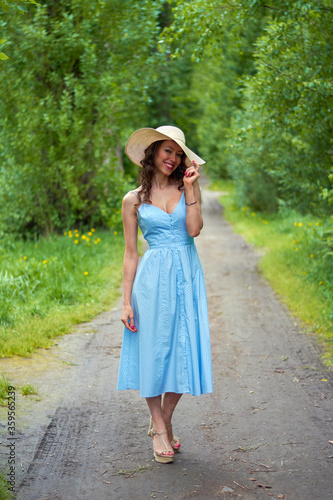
<point x="144" y="137"/>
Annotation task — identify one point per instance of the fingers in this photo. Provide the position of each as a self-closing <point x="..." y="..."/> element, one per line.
<point x="192" y="170"/>
<point x="129" y="323"/>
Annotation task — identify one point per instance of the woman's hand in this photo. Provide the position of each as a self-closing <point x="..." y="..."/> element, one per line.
<point x="191" y="174"/>
<point x="127" y="318"/>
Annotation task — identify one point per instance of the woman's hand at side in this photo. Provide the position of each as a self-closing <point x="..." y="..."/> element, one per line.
<point x="127" y="317"/>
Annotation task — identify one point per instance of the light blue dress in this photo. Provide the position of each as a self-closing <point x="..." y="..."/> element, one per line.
<point x="171" y="350"/>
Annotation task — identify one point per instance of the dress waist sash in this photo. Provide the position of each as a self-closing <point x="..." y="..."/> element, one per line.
<point x="172" y="244"/>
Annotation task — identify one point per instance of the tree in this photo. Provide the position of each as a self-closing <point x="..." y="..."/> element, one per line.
<point x="278" y="134"/>
<point x="20" y="6"/>
<point x="78" y="78"/>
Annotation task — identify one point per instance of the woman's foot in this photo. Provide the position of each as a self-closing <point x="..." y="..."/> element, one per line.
<point x="163" y="451"/>
<point x="174" y="441"/>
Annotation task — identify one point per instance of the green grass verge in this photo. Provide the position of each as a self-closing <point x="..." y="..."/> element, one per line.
<point x="4" y="388"/>
<point x="5" y="493"/>
<point x="49" y="285"/>
<point x="294" y="262"/>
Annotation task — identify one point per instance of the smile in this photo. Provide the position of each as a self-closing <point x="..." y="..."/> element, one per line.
<point x="169" y="166"/>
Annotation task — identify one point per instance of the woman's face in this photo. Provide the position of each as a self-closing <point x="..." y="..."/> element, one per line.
<point x="168" y="157"/>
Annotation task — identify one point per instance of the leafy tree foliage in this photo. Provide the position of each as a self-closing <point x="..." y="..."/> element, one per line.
<point x="79" y="76"/>
<point x="277" y="138"/>
<point x="21" y="7"/>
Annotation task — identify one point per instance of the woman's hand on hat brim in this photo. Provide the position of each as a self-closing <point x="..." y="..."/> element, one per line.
<point x="191" y="173"/>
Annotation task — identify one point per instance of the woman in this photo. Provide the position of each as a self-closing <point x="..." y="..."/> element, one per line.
<point x="166" y="347"/>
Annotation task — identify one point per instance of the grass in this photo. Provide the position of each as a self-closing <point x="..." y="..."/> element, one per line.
<point x="28" y="390"/>
<point x="51" y="284"/>
<point x="4" y="388"/>
<point x="294" y="262"/>
<point x="5" y="494"/>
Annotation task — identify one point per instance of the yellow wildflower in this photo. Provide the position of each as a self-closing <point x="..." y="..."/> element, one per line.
<point x="65" y="234"/>
<point x="320" y="282"/>
<point x="92" y="229"/>
<point x="115" y="233"/>
<point x="310" y="223"/>
<point x="83" y="236"/>
<point x="296" y="249"/>
<point x="70" y="235"/>
<point x="25" y="258"/>
<point x="300" y="224"/>
<point x="85" y="273"/>
<point x="295" y="224"/>
<point x="90" y="233"/>
<point x="253" y="214"/>
<point x="76" y="242"/>
<point x="87" y="239"/>
<point x="44" y="261"/>
<point x="311" y="256"/>
<point x="317" y="223"/>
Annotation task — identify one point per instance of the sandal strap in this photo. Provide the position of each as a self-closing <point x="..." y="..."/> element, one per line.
<point x="160" y="434"/>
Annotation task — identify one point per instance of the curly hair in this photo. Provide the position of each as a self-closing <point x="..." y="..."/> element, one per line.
<point x="148" y="170"/>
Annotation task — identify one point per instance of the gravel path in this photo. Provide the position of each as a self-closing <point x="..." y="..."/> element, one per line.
<point x="263" y="433"/>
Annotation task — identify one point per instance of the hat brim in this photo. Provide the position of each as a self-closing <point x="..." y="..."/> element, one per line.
<point x="144" y="137"/>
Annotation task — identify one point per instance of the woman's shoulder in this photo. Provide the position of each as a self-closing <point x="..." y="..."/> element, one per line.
<point x="132" y="198"/>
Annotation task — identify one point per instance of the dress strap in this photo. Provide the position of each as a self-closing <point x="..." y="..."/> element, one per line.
<point x="136" y="194"/>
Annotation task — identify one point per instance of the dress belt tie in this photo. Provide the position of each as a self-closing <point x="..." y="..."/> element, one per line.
<point x="175" y="244"/>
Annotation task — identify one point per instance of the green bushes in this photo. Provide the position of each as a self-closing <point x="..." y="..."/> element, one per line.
<point x="287" y="113"/>
<point x="267" y="97"/>
<point x="74" y="77"/>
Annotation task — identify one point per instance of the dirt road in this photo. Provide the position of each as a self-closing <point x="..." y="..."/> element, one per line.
<point x="263" y="433"/>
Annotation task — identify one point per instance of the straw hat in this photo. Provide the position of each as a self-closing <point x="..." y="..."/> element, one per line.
<point x="144" y="137"/>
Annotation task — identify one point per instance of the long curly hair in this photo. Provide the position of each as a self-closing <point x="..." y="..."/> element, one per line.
<point x="149" y="169"/>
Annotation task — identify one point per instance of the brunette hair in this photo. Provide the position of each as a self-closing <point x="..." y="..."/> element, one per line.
<point x="148" y="170"/>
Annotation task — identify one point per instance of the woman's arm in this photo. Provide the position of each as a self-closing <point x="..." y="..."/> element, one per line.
<point x="194" y="222"/>
<point x="131" y="257"/>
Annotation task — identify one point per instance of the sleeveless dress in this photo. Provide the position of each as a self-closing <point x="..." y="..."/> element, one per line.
<point x="170" y="352"/>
